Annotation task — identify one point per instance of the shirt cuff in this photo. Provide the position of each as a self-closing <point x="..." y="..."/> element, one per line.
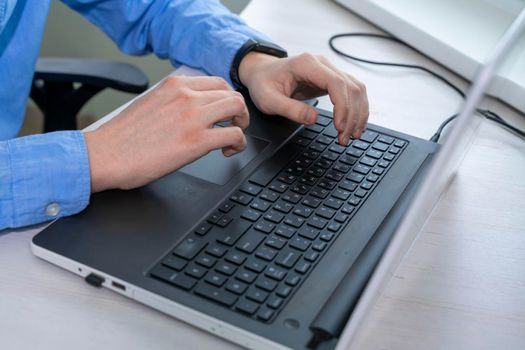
<point x="47" y="177"/>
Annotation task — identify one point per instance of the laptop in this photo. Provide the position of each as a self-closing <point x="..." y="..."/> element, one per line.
<point x="283" y="246"/>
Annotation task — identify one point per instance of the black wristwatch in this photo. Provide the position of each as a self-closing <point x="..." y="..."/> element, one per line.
<point x="253" y="46"/>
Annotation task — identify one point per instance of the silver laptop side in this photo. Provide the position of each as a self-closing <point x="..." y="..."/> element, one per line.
<point x="442" y="170"/>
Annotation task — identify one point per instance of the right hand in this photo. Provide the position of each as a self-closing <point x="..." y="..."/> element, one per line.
<point x="165" y="129"/>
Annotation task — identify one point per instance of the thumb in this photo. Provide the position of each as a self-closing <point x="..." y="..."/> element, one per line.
<point x="290" y="108"/>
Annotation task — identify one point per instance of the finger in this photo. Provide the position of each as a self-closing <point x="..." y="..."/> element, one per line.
<point x="290" y="108"/>
<point x="207" y="97"/>
<point x="335" y="84"/>
<point x="231" y="108"/>
<point x="356" y="121"/>
<point x="200" y="83"/>
<point x="231" y="139"/>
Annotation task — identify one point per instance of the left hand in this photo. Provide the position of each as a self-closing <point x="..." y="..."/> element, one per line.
<point x="277" y="84"/>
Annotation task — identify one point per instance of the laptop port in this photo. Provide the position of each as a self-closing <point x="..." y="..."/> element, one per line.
<point x="118" y="286"/>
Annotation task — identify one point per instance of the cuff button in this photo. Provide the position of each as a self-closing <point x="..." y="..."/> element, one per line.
<point x="52" y="209"/>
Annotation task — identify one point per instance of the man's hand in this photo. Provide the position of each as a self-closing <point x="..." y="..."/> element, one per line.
<point x="276" y="85"/>
<point x="165" y="129"/>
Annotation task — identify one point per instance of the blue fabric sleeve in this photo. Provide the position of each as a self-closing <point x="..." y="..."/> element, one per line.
<point x="201" y="34"/>
<point x="40" y="170"/>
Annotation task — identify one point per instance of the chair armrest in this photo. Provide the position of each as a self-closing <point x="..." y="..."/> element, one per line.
<point x="96" y="72"/>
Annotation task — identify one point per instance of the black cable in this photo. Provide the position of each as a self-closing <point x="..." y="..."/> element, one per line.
<point x="435" y="138"/>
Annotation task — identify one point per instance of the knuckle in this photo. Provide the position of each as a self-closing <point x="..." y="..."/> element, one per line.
<point x="184" y="94"/>
<point x="221" y="83"/>
<point x="171" y="81"/>
<point x="237" y="102"/>
<point x="322" y="58"/>
<point x="238" y="137"/>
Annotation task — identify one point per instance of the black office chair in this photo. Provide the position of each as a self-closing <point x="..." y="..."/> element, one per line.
<point x="61" y="86"/>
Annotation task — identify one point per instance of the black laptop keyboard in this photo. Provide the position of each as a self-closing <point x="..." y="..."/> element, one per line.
<point x="254" y="251"/>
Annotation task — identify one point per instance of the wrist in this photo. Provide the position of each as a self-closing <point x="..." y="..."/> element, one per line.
<point x="252" y="63"/>
<point x="99" y="168"/>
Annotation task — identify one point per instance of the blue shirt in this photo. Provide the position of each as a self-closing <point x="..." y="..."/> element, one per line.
<point x="47" y="176"/>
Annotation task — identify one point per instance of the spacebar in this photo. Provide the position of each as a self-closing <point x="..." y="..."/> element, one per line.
<point x="271" y="167"/>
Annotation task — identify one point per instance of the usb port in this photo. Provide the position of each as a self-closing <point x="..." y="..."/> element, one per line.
<point x="118" y="286"/>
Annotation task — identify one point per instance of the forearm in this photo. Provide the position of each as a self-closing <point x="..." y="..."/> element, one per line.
<point x="43" y="177"/>
<point x="199" y="33"/>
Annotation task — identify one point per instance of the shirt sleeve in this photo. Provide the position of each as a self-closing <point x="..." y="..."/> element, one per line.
<point x="202" y="34"/>
<point x="43" y="177"/>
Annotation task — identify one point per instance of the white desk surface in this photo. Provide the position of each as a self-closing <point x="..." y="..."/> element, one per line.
<point x="461" y="286"/>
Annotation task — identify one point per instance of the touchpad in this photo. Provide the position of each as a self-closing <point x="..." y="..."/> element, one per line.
<point x="215" y="167"/>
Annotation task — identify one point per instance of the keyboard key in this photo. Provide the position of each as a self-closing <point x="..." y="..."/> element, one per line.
<point x="311" y="202"/>
<point x="264" y="226"/>
<point x="354" y="201"/>
<point x="333" y="203"/>
<point x="334" y="175"/>
<point x="383" y="164"/>
<point x="319" y="246"/>
<point x="374" y="154"/>
<point x="355" y="177"/>
<point x="314" y="128"/>
<point x="366" y="185"/>
<point x="252" y="189"/>
<point x="347" y="208"/>
<point x="378" y="171"/>
<point x="362" y="169"/>
<point x="230" y="235"/>
<point x="399" y="143"/>
<point x="341" y="217"/>
<point x="330" y="132"/>
<point x="380" y="146"/>
<point x="327" y="236"/>
<point x="303" y="211"/>
<point x="316" y="171"/>
<point x="308" y="232"/>
<point x="270" y="196"/>
<point x="195" y="270"/>
<point x="348" y="160"/>
<point x="300" y="141"/>
<point x="300" y="243"/>
<point x="323" y="121"/>
<point x="327" y="184"/>
<point x="319" y="192"/>
<point x="214" y="217"/>
<point x="282" y="206"/>
<point x="293" y="279"/>
<point x="189" y="248"/>
<point x="354" y="152"/>
<point x="246" y="276"/>
<point x="337" y="148"/>
<point x="330" y="156"/>
<point x="291" y="197"/>
<point x="275" y="273"/>
<point x="251" y="215"/>
<point x="386" y="139"/>
<point x="275" y="242"/>
<point x="266" y="283"/>
<point x="325" y="140"/>
<point x="215" y="279"/>
<point x="260" y="205"/>
<point x="266" y="253"/>
<point x="246" y="306"/>
<point x="287" y="258"/>
<point x="334" y="227"/>
<point x="274" y="216"/>
<point x="317" y="222"/>
<point x="348" y="185"/>
<point x="372" y="178"/>
<point x="234" y="257"/>
<point x="226" y="268"/>
<point x="265" y="314"/>
<point x="250" y="241"/>
<point x="299" y="188"/>
<point x="216" y="250"/>
<point x="256" y="265"/>
<point x="325" y="212"/>
<point x="303" y="266"/>
<point x="236" y="287"/>
<point x="360" y="145"/>
<point x="174" y="263"/>
<point x="176" y="278"/>
<point x="278" y="186"/>
<point x="287" y="178"/>
<point x="311" y="255"/>
<point x="394" y="150"/>
<point x="274" y="302"/>
<point x="294" y="220"/>
<point x="368" y="161"/>
<point x="369" y="136"/>
<point x="224" y="221"/>
<point x="341" y="194"/>
<point x="257" y="295"/>
<point x="283" y="290"/>
<point x="202" y="229"/>
<point x="360" y="193"/>
<point x="318" y="147"/>
<point x="307" y="134"/>
<point x="206" y="260"/>
<point x="285" y="231"/>
<point x="226" y="207"/>
<point x="216" y="294"/>
<point x="241" y="198"/>
<point x="389" y="157"/>
<point x="342" y="168"/>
